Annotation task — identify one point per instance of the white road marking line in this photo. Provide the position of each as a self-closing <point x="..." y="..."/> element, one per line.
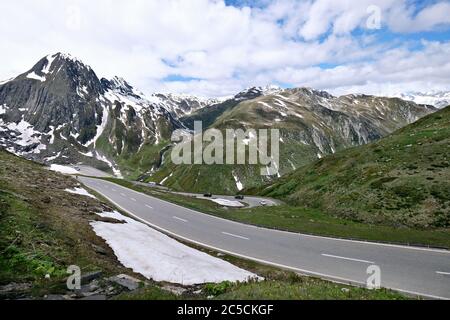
<point x="150" y="207"/>
<point x="234" y="235"/>
<point x="345" y="258"/>
<point x="113" y="189"/>
<point x="443" y="273"/>
<point x="133" y="199"/>
<point x="123" y="194"/>
<point x="184" y="220"/>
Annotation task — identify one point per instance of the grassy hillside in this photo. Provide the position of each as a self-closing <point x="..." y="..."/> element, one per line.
<point x="401" y="180"/>
<point x="44" y="229"/>
<point x="312" y="125"/>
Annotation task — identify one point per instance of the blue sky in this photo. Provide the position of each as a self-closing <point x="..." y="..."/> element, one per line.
<point x="216" y="48"/>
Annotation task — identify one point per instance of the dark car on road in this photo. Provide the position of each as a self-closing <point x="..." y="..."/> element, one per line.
<point x="208" y="195"/>
<point x="239" y="197"/>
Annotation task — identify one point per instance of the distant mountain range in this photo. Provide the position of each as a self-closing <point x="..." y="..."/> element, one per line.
<point x="59" y="111"/>
<point x="439" y="99"/>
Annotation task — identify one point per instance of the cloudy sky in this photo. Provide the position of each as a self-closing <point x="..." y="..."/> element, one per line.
<point x="217" y="48"/>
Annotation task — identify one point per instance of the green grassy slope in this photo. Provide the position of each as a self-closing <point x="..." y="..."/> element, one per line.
<point x="401" y="180"/>
<point x="45" y="229"/>
<point x="311" y="126"/>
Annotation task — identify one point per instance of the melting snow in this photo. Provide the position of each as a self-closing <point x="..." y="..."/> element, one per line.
<point x="3" y="108"/>
<point x="80" y="191"/>
<point x="280" y="103"/>
<point x="52" y="134"/>
<point x="239" y="184"/>
<point x="53" y="158"/>
<point x="63" y="169"/>
<point x="101" y="127"/>
<point x="116" y="171"/>
<point x="50" y="59"/>
<point x="292" y="165"/>
<point x="34" y="76"/>
<point x="83" y="91"/>
<point x="28" y="136"/>
<point x="228" y="203"/>
<point x="161" y="258"/>
<point x="165" y="179"/>
<point x="87" y="154"/>
<point x="265" y="104"/>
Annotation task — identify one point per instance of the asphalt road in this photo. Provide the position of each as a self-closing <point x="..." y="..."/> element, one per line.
<point x="418" y="271"/>
<point x="250" y="201"/>
<point x="90" y="171"/>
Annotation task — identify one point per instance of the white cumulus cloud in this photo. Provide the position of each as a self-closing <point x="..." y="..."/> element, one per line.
<point x="211" y="48"/>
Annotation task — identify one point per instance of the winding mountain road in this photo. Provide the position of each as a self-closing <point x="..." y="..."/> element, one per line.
<point x="417" y="271"/>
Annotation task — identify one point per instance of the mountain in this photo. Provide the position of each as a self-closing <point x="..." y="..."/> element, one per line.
<point x="182" y="105"/>
<point x="211" y="112"/>
<point x="439" y="99"/>
<point x="60" y="111"/>
<point x="400" y="180"/>
<point x="312" y="124"/>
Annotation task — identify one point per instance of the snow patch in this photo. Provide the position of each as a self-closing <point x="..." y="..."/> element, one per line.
<point x="52" y="134"/>
<point x="48" y="159"/>
<point x="34" y="76"/>
<point x="166" y="178"/>
<point x="27" y="135"/>
<point x="239" y="184"/>
<point x="87" y="154"/>
<point x="83" y="91"/>
<point x="80" y="191"/>
<point x="265" y="104"/>
<point x="228" y="203"/>
<point x="116" y="171"/>
<point x="63" y="169"/>
<point x="161" y="258"/>
<point x="100" y="128"/>
<point x="50" y="59"/>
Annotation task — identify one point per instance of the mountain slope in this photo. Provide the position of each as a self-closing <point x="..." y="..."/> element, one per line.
<point x="312" y="124"/>
<point x="60" y="111"/>
<point x="403" y="179"/>
<point x="45" y="229"/>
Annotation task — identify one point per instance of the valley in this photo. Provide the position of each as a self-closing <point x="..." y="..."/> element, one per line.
<point x="352" y="168"/>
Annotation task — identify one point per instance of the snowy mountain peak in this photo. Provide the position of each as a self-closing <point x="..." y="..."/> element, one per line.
<point x="60" y="65"/>
<point x="439" y="99"/>
<point x="67" y="57"/>
<point x="254" y="92"/>
<point x="120" y="85"/>
<point x="271" y="89"/>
